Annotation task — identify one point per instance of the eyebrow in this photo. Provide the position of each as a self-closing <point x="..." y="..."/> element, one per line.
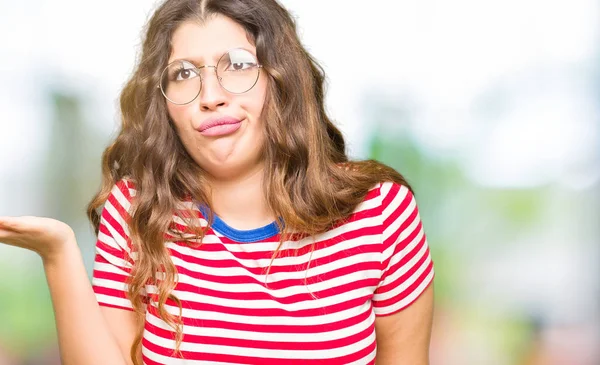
<point x="192" y="60"/>
<point x="196" y="60"/>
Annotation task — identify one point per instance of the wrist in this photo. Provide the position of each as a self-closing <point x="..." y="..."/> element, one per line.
<point x="60" y="252"/>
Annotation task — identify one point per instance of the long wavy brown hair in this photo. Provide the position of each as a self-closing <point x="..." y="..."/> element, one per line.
<point x="310" y="183"/>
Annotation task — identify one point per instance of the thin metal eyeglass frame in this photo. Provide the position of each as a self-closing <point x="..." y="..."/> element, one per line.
<point x="197" y="69"/>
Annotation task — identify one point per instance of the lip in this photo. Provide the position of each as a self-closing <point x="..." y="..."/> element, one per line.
<point x="219" y="126"/>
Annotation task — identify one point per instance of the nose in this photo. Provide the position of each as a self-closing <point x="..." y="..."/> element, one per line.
<point x="212" y="94"/>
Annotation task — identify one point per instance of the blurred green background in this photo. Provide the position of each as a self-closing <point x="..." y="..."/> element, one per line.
<point x="490" y="109"/>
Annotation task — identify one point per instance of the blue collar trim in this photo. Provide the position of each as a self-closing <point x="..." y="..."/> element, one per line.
<point x="247" y="235"/>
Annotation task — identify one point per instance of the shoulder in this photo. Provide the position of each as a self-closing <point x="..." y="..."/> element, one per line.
<point x="386" y="201"/>
<point x="119" y="201"/>
<point x="124" y="188"/>
<point x="384" y="195"/>
<point x="397" y="205"/>
<point x="391" y="194"/>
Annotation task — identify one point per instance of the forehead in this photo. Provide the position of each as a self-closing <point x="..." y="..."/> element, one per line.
<point x="207" y="42"/>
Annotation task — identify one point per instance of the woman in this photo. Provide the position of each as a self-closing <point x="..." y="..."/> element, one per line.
<point x="234" y="229"/>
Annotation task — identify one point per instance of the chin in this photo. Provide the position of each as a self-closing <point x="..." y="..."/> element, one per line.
<point x="232" y="169"/>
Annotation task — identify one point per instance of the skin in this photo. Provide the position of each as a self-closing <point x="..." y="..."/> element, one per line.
<point x="233" y="162"/>
<point x="403" y="338"/>
<point x="90" y="334"/>
<point x="84" y="337"/>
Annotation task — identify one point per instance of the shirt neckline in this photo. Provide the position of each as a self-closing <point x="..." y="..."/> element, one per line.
<point x="240" y="235"/>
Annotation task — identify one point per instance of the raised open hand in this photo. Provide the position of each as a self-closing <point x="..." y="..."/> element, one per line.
<point x="45" y="236"/>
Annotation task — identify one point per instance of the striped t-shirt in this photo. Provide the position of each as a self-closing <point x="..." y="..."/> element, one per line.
<point x="316" y="306"/>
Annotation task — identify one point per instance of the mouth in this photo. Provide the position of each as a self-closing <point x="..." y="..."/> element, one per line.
<point x="221" y="126"/>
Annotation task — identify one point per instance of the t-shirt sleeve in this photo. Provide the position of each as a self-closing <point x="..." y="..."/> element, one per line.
<point x="407" y="267"/>
<point x="113" y="261"/>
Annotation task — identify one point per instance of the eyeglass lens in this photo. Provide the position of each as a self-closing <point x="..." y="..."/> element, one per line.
<point x="237" y="71"/>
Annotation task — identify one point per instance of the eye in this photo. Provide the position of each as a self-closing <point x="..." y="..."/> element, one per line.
<point x="237" y="66"/>
<point x="182" y="71"/>
<point x="185" y="74"/>
<point x="237" y="60"/>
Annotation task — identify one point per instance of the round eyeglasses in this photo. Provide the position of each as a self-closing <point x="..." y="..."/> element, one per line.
<point x="237" y="72"/>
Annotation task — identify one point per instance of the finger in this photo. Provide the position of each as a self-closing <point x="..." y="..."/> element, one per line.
<point x="9" y="232"/>
<point x="9" y="223"/>
<point x="6" y="236"/>
<point x="8" y="219"/>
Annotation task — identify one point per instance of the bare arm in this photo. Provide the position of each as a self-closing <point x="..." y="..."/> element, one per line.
<point x="123" y="326"/>
<point x="84" y="334"/>
<point x="403" y="338"/>
<point x="403" y="301"/>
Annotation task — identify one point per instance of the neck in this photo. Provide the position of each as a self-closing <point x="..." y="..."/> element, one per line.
<point x="240" y="202"/>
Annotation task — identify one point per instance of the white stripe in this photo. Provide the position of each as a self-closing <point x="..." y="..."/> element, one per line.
<point x="406" y="301"/>
<point x="350" y="261"/>
<point x="360" y="225"/>
<point x="410" y="264"/>
<point x="271" y="304"/>
<point x="272" y="337"/>
<point x="300" y="288"/>
<point x="360" y="241"/>
<point x="101" y="298"/>
<point x="405" y="233"/>
<point x="394" y="226"/>
<point x="276" y="294"/>
<point x="118" y="262"/>
<point x="365" y="360"/>
<point x="100" y="266"/>
<point x="117" y="237"/>
<point x="272" y="244"/>
<point x="160" y="359"/>
<point x="265" y="353"/>
<point x="196" y="221"/>
<point x="396" y="201"/>
<point x="385" y="188"/>
<point x="319" y="320"/>
<point x="404" y="285"/>
<point x="121" y="198"/>
<point x="110" y="284"/>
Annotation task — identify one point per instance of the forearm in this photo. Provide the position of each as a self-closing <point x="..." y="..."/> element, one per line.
<point x="399" y="359"/>
<point x="83" y="334"/>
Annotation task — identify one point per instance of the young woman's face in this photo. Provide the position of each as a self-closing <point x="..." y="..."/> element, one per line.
<point x="232" y="147"/>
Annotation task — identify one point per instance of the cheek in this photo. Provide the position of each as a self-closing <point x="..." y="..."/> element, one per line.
<point x="175" y="113"/>
<point x="258" y="100"/>
<point x="178" y="115"/>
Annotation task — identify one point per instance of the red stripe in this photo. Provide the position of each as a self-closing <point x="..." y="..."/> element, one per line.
<point x="291" y="299"/>
<point x="412" y="217"/>
<point x="274" y="312"/>
<point x="359" y="308"/>
<point x="109" y="292"/>
<point x="275" y="328"/>
<point x="99" y="274"/>
<point x="409" y="303"/>
<point x="390" y="196"/>
<point x="280" y="284"/>
<point x="123" y="213"/>
<point x="364" y="247"/>
<point x="104" y="304"/>
<point x="409" y="290"/>
<point x="238" y="359"/>
<point x="404" y="261"/>
<point x="115" y="223"/>
<point x="116" y="252"/>
<point x="267" y="345"/>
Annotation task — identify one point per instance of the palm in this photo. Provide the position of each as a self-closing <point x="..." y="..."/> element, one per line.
<point x="42" y="235"/>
